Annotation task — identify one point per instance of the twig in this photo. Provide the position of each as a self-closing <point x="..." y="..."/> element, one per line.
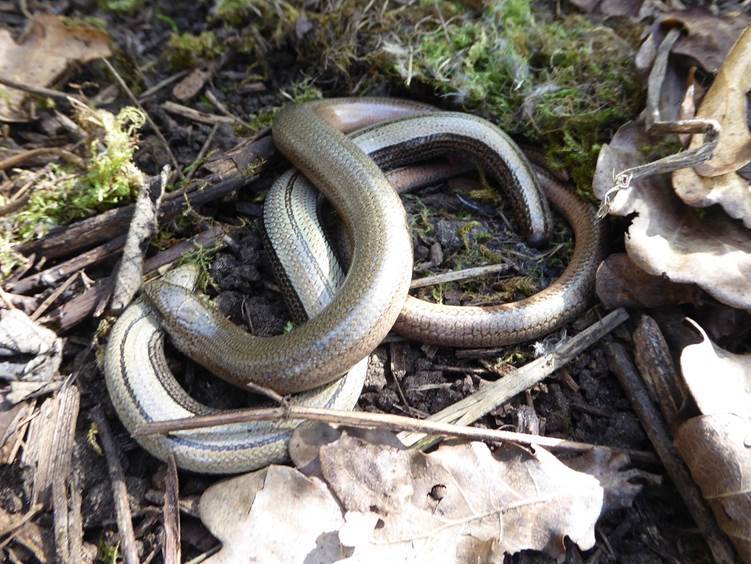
<point x="53" y="275"/>
<point x="25" y="518"/>
<point x="458" y="275"/>
<point x="38" y="90"/>
<point x="471" y="408"/>
<point x="193" y="167"/>
<point x="206" y="555"/>
<point x="24" y="156"/>
<point x="53" y="296"/>
<point x="195" y="115"/>
<point x="119" y="489"/>
<point x="79" y="308"/>
<point x="375" y="420"/>
<point x="653" y="424"/>
<point x="151" y="122"/>
<point x="171" y="515"/>
<point x="654" y="125"/>
<point x="162" y="84"/>
<point x="222" y="108"/>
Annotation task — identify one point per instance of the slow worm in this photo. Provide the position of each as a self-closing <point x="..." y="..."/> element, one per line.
<point x="312" y="136"/>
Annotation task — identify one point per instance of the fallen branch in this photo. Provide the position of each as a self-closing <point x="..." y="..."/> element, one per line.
<point x="379" y="421"/>
<point x="65" y="241"/>
<point x="656" y="429"/>
<point x="196" y="115"/>
<point x="119" y="489"/>
<point x="82" y="306"/>
<point x="53" y="275"/>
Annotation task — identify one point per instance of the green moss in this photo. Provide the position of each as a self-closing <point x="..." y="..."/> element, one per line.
<point x="564" y="84"/>
<point x="187" y="50"/>
<point x="299" y="92"/>
<point x="110" y="177"/>
<point x="120" y="6"/>
<point x="9" y="259"/>
<point x="85" y="22"/>
<point x="202" y="257"/>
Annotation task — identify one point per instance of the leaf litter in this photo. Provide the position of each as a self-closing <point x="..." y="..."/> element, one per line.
<point x="378" y="502"/>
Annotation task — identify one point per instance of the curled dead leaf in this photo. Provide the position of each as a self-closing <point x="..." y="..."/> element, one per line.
<point x="47" y="46"/>
<point x="708" y="37"/>
<point x="716" y="451"/>
<point x="719" y="381"/>
<point x="731" y="191"/>
<point x="668" y="238"/>
<point x="715" y="445"/>
<point x="726" y="102"/>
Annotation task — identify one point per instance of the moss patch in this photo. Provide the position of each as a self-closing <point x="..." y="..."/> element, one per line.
<point x="109" y="179"/>
<point x="564" y="84"/>
<point x="187" y="50"/>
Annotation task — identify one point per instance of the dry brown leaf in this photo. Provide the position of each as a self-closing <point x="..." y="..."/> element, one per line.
<point x="708" y="37"/>
<point x="620" y="283"/>
<point x="731" y="191"/>
<point x="715" y="449"/>
<point x="457" y="504"/>
<point x="719" y="381"/>
<point x="273" y="515"/>
<point x="715" y="445"/>
<point x="28" y="351"/>
<point x="610" y="470"/>
<point x="387" y="504"/>
<point x="668" y="238"/>
<point x="48" y="45"/>
<point x="193" y="83"/>
<point x="725" y="101"/>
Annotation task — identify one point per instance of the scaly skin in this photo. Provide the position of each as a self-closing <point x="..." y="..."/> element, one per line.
<point x="369" y="301"/>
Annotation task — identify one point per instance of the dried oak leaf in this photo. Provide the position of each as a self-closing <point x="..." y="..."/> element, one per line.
<point x="620" y="283"/>
<point x="708" y="37"/>
<point x="726" y="102"/>
<point x="668" y="238"/>
<point x="719" y="381"/>
<point x="457" y="504"/>
<point x="731" y="191"/>
<point x="273" y="515"/>
<point x="610" y="470"/>
<point x="715" y="444"/>
<point x="46" y="48"/>
<point x="716" y="181"/>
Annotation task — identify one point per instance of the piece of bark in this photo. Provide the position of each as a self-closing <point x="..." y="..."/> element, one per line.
<point x="50" y="441"/>
<point x="171" y="515"/>
<point x="620" y="283"/>
<point x="143" y="226"/>
<point x="656" y="366"/>
<point x="79" y="308"/>
<point x="119" y="489"/>
<point x="621" y="365"/>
